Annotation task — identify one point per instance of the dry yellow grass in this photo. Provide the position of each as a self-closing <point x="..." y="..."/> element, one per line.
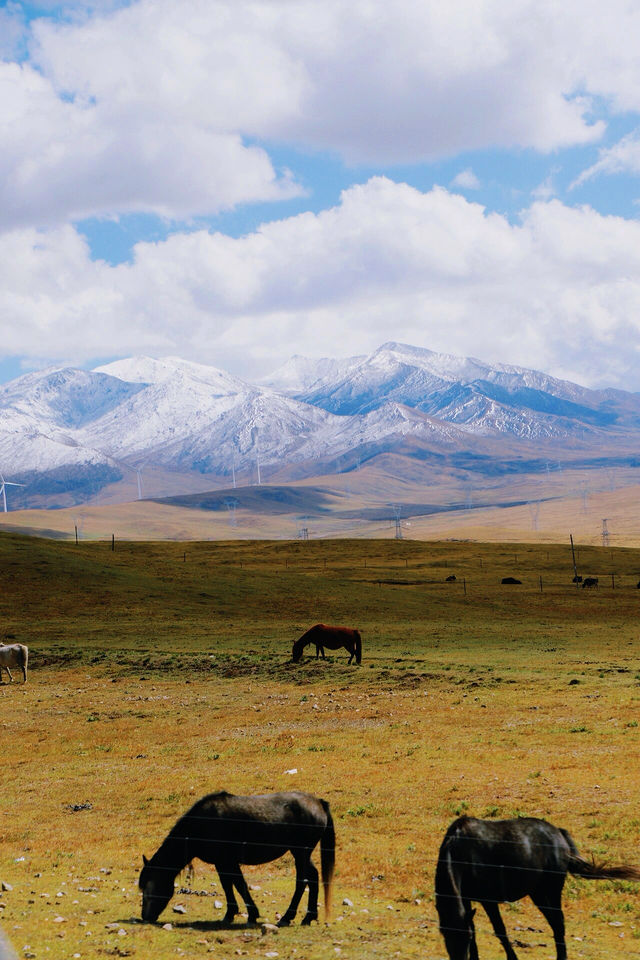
<point x="462" y="704"/>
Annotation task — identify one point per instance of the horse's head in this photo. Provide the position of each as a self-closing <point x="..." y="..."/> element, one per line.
<point x="459" y="937"/>
<point x="296" y="652"/>
<point x="156" y="885"/>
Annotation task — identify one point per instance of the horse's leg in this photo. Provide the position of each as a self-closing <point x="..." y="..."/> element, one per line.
<point x="10" y="674"/>
<point x="302" y="859"/>
<point x="473" y="946"/>
<point x="227" y="877"/>
<point x="549" y="903"/>
<point x="493" y="912"/>
<point x="353" y="653"/>
<point x="311" y="877"/>
<point x="241" y="886"/>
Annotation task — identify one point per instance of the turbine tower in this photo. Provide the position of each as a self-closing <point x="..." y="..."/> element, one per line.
<point x="7" y="483"/>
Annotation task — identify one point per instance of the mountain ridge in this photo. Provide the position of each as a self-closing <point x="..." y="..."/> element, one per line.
<point x="89" y="428"/>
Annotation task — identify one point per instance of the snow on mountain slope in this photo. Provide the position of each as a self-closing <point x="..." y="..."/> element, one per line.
<point x="147" y="370"/>
<point x="301" y="374"/>
<point x="191" y="418"/>
<point x="65" y="398"/>
<point x="478" y="397"/>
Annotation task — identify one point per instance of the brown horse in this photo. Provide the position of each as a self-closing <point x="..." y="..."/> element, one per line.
<point x="331" y="637"/>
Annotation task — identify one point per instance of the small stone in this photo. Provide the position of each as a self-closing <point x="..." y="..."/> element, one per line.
<point x="269" y="928"/>
<point x="6" y="887"/>
<point x="615" y="923"/>
<point x="167" y="926"/>
<point x="59" y="920"/>
<point x="293" y="770"/>
<point x="347" y="903"/>
<point x="179" y="908"/>
<point x="217" y="904"/>
<point x="272" y="953"/>
<point x="122" y="932"/>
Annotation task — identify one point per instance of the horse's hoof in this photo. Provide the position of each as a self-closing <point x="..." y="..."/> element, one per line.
<point x="284" y="922"/>
<point x="308" y="918"/>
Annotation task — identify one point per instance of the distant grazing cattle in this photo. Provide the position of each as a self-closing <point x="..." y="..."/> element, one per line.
<point x="577" y="579"/>
<point x="510" y="580"/>
<point x="14" y="655"/>
<point x="638" y="585"/>
<point x="451" y="578"/>
<point x="589" y="582"/>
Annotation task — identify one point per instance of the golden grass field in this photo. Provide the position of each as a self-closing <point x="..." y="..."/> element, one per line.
<point x="161" y="672"/>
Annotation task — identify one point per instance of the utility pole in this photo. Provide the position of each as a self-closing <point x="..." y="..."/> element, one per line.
<point x="573" y="554"/>
<point x="605" y="534"/>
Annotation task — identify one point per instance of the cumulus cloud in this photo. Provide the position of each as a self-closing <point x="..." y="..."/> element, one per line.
<point x="159" y="106"/>
<point x="556" y="291"/>
<point x="466" y="180"/>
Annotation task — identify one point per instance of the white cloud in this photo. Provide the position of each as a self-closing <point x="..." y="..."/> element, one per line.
<point x="157" y="106"/>
<point x="558" y="291"/>
<point x="466" y="180"/>
<point x="622" y="157"/>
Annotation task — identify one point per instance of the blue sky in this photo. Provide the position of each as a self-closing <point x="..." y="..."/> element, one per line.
<point x="234" y="182"/>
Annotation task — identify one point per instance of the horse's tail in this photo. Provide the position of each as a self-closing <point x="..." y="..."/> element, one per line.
<point x="594" y="870"/>
<point x="327" y="858"/>
<point x="358" y="646"/>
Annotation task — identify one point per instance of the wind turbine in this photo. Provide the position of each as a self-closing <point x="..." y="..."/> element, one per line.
<point x="7" y="483"/>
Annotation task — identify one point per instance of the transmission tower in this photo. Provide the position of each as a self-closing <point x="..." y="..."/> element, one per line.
<point x="231" y="503"/>
<point x="396" y="513"/>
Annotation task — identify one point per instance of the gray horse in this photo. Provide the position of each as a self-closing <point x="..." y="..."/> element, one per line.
<point x="14" y="655"/>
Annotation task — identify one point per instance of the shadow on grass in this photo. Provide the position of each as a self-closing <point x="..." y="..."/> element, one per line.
<point x="202" y="925"/>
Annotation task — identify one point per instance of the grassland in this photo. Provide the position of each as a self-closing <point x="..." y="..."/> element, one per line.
<point x="160" y="672"/>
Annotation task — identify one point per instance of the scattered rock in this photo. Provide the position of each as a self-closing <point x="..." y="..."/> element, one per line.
<point x="167" y="926"/>
<point x="6" y="887"/>
<point x="347" y="903"/>
<point x="269" y="928"/>
<point x="218" y="904"/>
<point x="293" y="770"/>
<point x="59" y="920"/>
<point x="179" y="908"/>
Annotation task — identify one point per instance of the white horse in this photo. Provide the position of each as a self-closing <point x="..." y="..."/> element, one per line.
<point x="14" y="655"/>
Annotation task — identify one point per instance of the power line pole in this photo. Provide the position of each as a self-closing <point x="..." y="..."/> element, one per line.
<point x="605" y="534"/>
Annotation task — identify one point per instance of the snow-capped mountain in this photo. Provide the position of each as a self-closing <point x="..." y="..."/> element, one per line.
<point x="480" y="398"/>
<point x="76" y="430"/>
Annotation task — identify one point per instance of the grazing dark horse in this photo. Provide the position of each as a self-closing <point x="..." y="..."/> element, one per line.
<point x="227" y="831"/>
<point x="589" y="582"/>
<point x="498" y="861"/>
<point x="331" y="637"/>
